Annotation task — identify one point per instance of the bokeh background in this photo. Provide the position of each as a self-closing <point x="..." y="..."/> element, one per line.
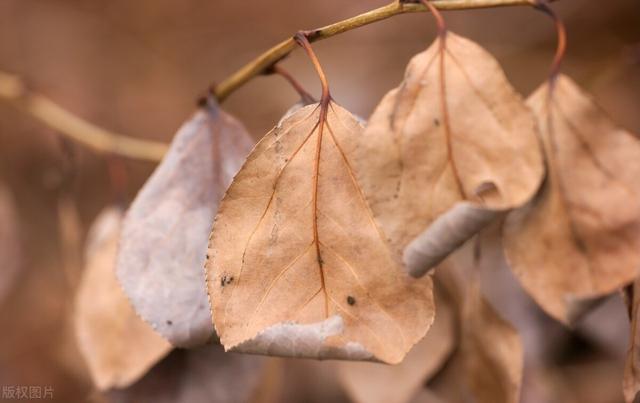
<point x="137" y="68"/>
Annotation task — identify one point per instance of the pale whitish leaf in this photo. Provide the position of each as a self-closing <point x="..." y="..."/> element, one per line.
<point x="164" y="238"/>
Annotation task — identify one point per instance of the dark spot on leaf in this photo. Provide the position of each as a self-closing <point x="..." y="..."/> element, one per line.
<point x="225" y="280"/>
<point x="351" y="301"/>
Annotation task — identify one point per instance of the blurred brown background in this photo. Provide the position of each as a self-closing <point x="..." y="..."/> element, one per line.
<point x="137" y="67"/>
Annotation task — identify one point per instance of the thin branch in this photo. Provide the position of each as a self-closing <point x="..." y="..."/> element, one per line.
<point x="13" y="90"/>
<point x="281" y="50"/>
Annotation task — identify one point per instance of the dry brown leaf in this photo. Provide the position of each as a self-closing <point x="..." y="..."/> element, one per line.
<point x="202" y="375"/>
<point x="489" y="363"/>
<point x="540" y="334"/>
<point x="167" y="227"/>
<point x="631" y="381"/>
<point x="298" y="265"/>
<point x="118" y="346"/>
<point x="448" y="150"/>
<point x="580" y="237"/>
<point x="549" y="345"/>
<point x="371" y="382"/>
<point x="10" y="245"/>
<point x="492" y="351"/>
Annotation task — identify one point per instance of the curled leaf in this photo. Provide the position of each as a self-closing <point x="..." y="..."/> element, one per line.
<point x="446" y="233"/>
<point x="10" y="245"/>
<point x="371" y="382"/>
<point x="117" y="345"/>
<point x="455" y="131"/>
<point x="165" y="232"/>
<point x="580" y="237"/>
<point x="298" y="265"/>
